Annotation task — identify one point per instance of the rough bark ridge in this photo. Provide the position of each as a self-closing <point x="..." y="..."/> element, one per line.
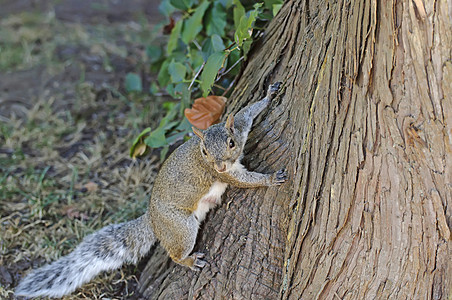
<point x="365" y="129"/>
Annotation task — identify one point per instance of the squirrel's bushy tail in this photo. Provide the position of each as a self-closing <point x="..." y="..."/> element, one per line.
<point x="103" y="250"/>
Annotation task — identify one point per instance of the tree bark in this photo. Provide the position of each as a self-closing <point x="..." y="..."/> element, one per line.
<point x="364" y="127"/>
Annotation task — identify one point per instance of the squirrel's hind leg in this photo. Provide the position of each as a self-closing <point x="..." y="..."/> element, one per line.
<point x="193" y="261"/>
<point x="180" y="239"/>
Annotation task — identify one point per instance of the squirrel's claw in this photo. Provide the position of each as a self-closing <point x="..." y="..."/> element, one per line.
<point x="273" y="89"/>
<point x="279" y="177"/>
<point x="198" y="263"/>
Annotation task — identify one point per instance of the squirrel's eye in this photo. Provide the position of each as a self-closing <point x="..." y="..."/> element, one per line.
<point x="204" y="151"/>
<point x="231" y="144"/>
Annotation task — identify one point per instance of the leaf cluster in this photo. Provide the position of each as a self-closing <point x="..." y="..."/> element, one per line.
<point x="207" y="42"/>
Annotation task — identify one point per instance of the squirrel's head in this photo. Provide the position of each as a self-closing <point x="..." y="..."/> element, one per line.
<point x="221" y="146"/>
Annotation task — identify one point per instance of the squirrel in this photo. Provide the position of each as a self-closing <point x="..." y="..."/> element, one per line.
<point x="190" y="182"/>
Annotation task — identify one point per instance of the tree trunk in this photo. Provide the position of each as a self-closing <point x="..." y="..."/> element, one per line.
<point x="364" y="127"/>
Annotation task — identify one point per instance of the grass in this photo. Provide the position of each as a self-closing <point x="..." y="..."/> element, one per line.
<point x="64" y="165"/>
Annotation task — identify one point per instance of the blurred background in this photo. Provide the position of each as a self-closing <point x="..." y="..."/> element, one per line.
<point x="66" y="126"/>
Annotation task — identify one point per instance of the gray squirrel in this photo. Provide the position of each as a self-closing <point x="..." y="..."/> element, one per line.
<point x="189" y="183"/>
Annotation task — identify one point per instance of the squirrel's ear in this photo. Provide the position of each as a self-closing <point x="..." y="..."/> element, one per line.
<point x="198" y="132"/>
<point x="230" y="122"/>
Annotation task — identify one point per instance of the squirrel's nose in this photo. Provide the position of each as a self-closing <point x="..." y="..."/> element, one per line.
<point x="220" y="167"/>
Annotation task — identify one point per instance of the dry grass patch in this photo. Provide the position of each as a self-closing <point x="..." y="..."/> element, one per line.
<point x="65" y="133"/>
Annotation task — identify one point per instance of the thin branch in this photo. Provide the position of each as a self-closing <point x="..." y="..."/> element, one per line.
<point x="226" y="72"/>
<point x="229" y="87"/>
<point x="197" y="45"/>
<point x="196" y="75"/>
<point x="219" y="86"/>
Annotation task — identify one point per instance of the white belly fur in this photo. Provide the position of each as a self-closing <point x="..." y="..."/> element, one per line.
<point x="210" y="200"/>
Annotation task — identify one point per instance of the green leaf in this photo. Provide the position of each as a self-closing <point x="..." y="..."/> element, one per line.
<point x="269" y="3"/>
<point x="168" y="105"/>
<point x="156" y="139"/>
<point x="180" y="87"/>
<point x="241" y="32"/>
<point x="276" y="8"/>
<point x="181" y="92"/>
<point x="154" y="53"/>
<point x="245" y="27"/>
<point x="226" y="3"/>
<point x="182" y="4"/>
<point x="196" y="59"/>
<point x="175" y="137"/>
<point x="155" y="67"/>
<point x="170" y="90"/>
<point x="193" y="25"/>
<point x="246" y="47"/>
<point x="180" y="131"/>
<point x="164" y="77"/>
<point x="213" y="64"/>
<point x="137" y="140"/>
<point x="170" y="125"/>
<point x="185" y="99"/>
<point x="233" y="57"/>
<point x="174" y="37"/>
<point x="212" y="45"/>
<point x="238" y="13"/>
<point x="185" y="125"/>
<point x="265" y="15"/>
<point x="163" y="153"/>
<point x="133" y="83"/>
<point x="177" y="71"/>
<point x="216" y="20"/>
<point x="166" y="8"/>
<point x="172" y="109"/>
<point x="154" y="88"/>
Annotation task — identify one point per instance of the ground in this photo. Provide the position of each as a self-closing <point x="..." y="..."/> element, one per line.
<point x="66" y="125"/>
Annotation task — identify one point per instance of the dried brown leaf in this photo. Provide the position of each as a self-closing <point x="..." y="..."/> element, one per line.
<point x="205" y="111"/>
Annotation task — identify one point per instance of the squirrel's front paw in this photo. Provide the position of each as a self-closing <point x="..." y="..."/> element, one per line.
<point x="279" y="177"/>
<point x="273" y="89"/>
